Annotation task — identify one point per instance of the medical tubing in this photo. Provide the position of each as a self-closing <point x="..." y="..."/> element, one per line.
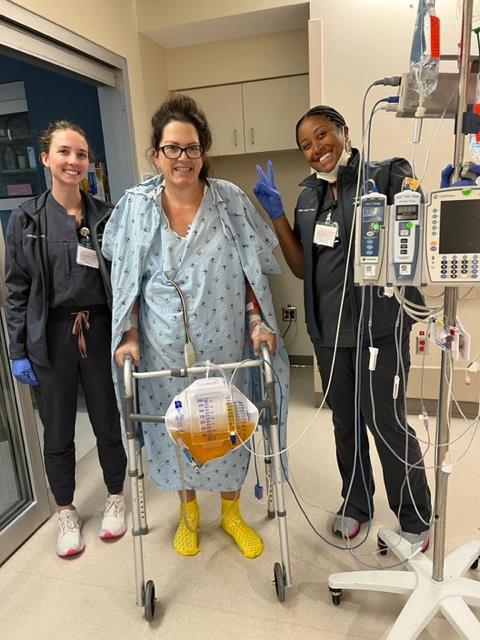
<point x="372" y="113"/>
<point x="435" y="136"/>
<point x="358" y="423"/>
<point x="470" y="426"/>
<point x="422" y="308"/>
<point x="429" y="443"/>
<point x="184" y="310"/>
<point x="433" y="445"/>
<point x="400" y="364"/>
<point x="393" y="81"/>
<point x="209" y="525"/>
<point x="312" y="526"/>
<point x="408" y="468"/>
<point x="372" y="400"/>
<point x="359" y="327"/>
<point x="350" y="548"/>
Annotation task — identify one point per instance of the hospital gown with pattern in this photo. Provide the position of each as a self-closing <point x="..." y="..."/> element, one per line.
<point x="206" y="267"/>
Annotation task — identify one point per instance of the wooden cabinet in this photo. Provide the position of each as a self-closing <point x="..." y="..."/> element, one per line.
<point x="223" y="108"/>
<point x="271" y="108"/>
<point x="254" y="116"/>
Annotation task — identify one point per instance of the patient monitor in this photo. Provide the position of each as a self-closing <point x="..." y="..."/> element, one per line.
<point x="452" y="236"/>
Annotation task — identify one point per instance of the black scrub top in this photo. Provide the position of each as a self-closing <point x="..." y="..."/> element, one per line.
<point x="70" y="284"/>
<point x="329" y="273"/>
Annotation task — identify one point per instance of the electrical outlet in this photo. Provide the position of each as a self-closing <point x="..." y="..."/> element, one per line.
<point x="289" y="313"/>
<point x="421" y="344"/>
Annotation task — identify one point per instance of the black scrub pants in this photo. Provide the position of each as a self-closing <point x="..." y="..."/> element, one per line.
<point x="57" y="402"/>
<point x="341" y="400"/>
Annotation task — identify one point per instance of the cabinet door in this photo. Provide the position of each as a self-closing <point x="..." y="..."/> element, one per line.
<point x="271" y="110"/>
<point x="223" y="108"/>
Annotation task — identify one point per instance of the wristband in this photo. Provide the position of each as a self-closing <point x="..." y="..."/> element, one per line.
<point x="132" y="322"/>
<point x="254" y="318"/>
<point x="252" y="306"/>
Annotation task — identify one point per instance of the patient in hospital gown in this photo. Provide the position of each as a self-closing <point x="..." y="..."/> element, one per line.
<point x="182" y="235"/>
<point x="208" y="270"/>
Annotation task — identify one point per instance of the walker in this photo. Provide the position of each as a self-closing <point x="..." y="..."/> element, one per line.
<point x="145" y="590"/>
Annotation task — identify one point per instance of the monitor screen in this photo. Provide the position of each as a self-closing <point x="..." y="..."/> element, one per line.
<point x="373" y="213"/>
<point x="406" y="212"/>
<point x="460" y="226"/>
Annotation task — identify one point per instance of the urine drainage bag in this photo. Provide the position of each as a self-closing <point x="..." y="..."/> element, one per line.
<point x="210" y="418"/>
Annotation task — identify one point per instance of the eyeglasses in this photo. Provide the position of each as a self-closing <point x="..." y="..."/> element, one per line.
<point x="173" y="151"/>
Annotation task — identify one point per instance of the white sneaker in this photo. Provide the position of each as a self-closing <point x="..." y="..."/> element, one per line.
<point x="69" y="539"/>
<point x="114" y="523"/>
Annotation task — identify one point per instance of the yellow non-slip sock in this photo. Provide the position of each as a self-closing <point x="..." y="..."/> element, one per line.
<point x="186" y="538"/>
<point x="248" y="540"/>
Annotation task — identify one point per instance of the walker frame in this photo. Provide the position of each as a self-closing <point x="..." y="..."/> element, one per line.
<point x="145" y="590"/>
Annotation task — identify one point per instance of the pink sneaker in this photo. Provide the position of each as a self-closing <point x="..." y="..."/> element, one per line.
<point x="422" y="539"/>
<point x="69" y="539"/>
<point x="114" y="523"/>
<point x="345" y="527"/>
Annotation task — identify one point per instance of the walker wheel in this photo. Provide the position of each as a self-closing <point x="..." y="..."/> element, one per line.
<point x="382" y="546"/>
<point x="336" y="596"/>
<point x="149" y="600"/>
<point x="474" y="566"/>
<point x="279" y="581"/>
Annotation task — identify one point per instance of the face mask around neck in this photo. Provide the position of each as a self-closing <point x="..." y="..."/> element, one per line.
<point x="331" y="176"/>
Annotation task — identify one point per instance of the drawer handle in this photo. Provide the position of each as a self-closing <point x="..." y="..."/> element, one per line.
<point x="252" y="135"/>
<point x="235" y="138"/>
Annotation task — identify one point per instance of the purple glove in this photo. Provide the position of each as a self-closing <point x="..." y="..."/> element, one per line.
<point x="23" y="371"/>
<point x="267" y="192"/>
<point x="463" y="182"/>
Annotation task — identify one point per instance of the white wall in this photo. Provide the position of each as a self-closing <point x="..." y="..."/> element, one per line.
<point x="152" y="13"/>
<point x="155" y="91"/>
<point x="290" y="169"/>
<point x="239" y="60"/>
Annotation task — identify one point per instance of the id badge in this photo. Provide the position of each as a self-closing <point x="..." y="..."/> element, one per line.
<point x="87" y="257"/>
<point x="326" y="235"/>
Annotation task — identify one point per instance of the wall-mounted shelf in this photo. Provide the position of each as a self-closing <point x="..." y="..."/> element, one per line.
<point x="14" y="139"/>
<point x="18" y="171"/>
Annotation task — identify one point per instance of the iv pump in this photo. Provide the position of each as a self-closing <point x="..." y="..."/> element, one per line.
<point x="371" y="238"/>
<point x="406" y="224"/>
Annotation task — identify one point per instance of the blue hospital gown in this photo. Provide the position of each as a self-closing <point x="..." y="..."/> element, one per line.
<point x="207" y="268"/>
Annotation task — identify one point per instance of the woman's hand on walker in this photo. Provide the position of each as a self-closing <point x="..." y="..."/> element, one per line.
<point x="261" y="333"/>
<point x="129" y="346"/>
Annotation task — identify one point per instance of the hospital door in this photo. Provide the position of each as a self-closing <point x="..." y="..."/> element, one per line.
<point x="24" y="503"/>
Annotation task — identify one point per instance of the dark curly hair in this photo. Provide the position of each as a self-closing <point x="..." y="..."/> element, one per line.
<point x="182" y="108"/>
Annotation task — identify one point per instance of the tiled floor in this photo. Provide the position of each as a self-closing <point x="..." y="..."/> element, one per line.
<point x="218" y="595"/>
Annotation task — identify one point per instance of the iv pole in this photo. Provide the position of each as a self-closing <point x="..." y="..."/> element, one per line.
<point x="437" y="586"/>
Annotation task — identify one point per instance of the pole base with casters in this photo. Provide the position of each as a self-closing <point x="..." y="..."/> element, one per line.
<point x="426" y="596"/>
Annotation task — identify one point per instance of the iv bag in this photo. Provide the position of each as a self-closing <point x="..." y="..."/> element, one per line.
<point x="210" y="418"/>
<point x="425" y="51"/>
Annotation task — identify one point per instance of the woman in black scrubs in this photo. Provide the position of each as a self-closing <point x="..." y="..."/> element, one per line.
<point x="316" y="250"/>
<point x="58" y="309"/>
